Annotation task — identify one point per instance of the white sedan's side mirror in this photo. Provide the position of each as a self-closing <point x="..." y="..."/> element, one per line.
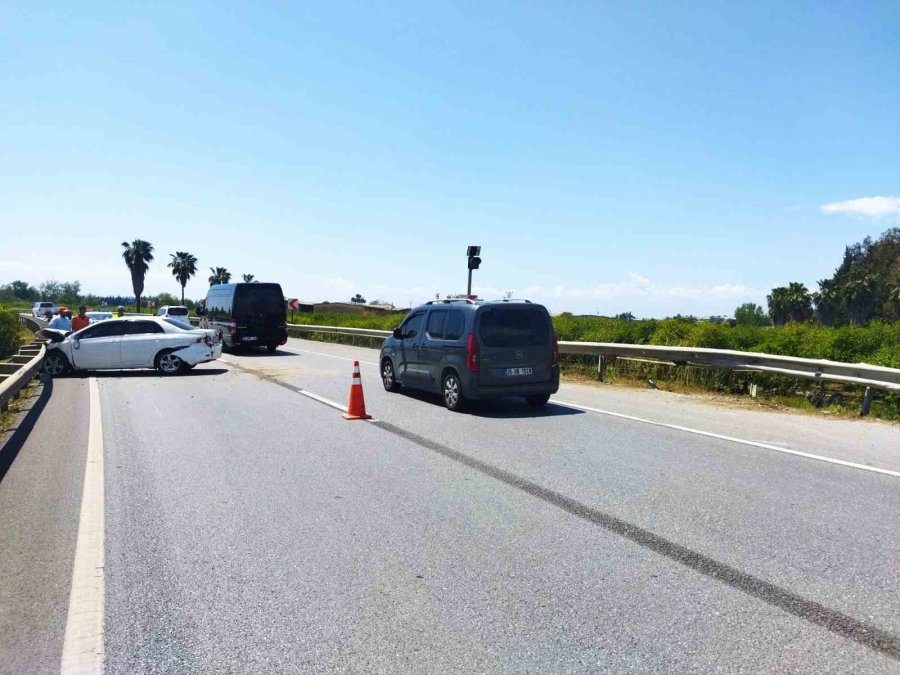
<point x="76" y="344"/>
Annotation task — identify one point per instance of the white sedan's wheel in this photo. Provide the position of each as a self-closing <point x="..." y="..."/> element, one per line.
<point x="55" y="364"/>
<point x="169" y="364"/>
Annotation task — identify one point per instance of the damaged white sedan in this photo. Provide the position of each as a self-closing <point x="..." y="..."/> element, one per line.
<point x="168" y="345"/>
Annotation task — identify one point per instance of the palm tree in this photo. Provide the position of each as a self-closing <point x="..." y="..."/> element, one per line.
<point x="790" y="303"/>
<point x="138" y="255"/>
<point x="828" y="302"/>
<point x="248" y="278"/>
<point x="778" y="306"/>
<point x="184" y="266"/>
<point x="859" y="298"/>
<point x="800" y="302"/>
<point x="220" y="275"/>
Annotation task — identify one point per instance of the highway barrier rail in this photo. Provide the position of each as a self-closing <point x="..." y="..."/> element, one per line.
<point x="822" y="370"/>
<point x="18" y="371"/>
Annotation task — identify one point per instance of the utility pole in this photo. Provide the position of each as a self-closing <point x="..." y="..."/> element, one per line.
<point x="474" y="262"/>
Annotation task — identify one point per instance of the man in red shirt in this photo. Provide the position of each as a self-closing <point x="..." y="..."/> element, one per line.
<point x="80" y="321"/>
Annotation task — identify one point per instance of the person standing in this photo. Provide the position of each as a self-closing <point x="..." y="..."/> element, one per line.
<point x="81" y="321"/>
<point x="61" y="321"/>
<point x="120" y="311"/>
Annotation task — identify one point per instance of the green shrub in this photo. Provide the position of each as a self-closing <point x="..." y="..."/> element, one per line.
<point x="672" y="332"/>
<point x="9" y="332"/>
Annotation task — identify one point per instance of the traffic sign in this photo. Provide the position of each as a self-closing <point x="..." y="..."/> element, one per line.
<point x="294" y="304"/>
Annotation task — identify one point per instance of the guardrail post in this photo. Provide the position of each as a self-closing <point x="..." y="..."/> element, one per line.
<point x="867" y="402"/>
<point x="601" y="368"/>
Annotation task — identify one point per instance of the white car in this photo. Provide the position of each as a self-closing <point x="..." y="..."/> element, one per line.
<point x="94" y="317"/>
<point x="177" y="312"/>
<point x="130" y="343"/>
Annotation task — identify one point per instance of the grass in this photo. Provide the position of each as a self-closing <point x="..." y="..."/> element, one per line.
<point x="16" y="406"/>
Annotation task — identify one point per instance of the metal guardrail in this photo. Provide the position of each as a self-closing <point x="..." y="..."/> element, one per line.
<point x="31" y="323"/>
<point x="18" y="371"/>
<point x="871" y="377"/>
<point x="822" y="370"/>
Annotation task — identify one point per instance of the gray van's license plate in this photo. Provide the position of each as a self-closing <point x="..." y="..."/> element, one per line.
<point x="517" y="371"/>
<point x="249" y="339"/>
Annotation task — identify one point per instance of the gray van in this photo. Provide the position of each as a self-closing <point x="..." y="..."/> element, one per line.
<point x="470" y="350"/>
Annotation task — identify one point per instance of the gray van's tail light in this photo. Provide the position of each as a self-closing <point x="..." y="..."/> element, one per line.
<point x="472" y="353"/>
<point x="555" y="350"/>
<point x="233" y="325"/>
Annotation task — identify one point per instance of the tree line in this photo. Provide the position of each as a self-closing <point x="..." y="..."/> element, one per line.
<point x="865" y="287"/>
<point x="137" y="255"/>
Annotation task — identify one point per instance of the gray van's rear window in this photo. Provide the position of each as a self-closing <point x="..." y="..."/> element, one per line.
<point x="514" y="327"/>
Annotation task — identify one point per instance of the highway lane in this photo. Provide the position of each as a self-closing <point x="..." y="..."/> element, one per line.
<point x="865" y="441"/>
<point x="289" y="538"/>
<point x="772" y="515"/>
<point x="42" y="462"/>
<point x="251" y="529"/>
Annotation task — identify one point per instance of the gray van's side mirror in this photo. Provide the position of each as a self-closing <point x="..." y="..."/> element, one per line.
<point x="397" y="334"/>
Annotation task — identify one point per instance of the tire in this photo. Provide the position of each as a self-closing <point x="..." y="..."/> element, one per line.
<point x="388" y="376"/>
<point x="271" y="348"/>
<point x="451" y="392"/>
<point x="56" y="364"/>
<point x="169" y="364"/>
<point x="538" y="400"/>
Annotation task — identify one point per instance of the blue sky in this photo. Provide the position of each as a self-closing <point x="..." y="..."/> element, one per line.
<point x="607" y="157"/>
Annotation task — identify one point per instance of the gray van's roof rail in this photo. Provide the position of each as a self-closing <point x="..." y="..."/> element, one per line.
<point x="513" y="300"/>
<point x="451" y="300"/>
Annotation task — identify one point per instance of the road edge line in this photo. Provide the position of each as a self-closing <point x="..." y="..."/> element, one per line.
<point x="83" y="648"/>
<point x="742" y="441"/>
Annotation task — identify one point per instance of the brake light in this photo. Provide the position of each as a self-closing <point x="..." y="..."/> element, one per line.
<point x="472" y="353"/>
<point x="233" y="325"/>
<point x="555" y="350"/>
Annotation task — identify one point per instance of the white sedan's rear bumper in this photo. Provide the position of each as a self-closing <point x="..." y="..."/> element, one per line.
<point x="199" y="353"/>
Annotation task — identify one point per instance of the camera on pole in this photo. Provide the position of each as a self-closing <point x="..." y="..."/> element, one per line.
<point x="474" y="263"/>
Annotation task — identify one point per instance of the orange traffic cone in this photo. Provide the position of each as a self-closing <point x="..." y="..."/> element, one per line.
<point x="356" y="408"/>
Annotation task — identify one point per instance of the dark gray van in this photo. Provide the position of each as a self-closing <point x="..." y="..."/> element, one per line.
<point x="471" y="350"/>
<point x="246" y="315"/>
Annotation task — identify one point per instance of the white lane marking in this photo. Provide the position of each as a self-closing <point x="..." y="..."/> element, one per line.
<point x="742" y="441"/>
<point x="330" y="356"/>
<point x="83" y="650"/>
<point x="322" y="399"/>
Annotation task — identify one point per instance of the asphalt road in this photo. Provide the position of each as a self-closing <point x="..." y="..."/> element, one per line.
<point x="249" y="528"/>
